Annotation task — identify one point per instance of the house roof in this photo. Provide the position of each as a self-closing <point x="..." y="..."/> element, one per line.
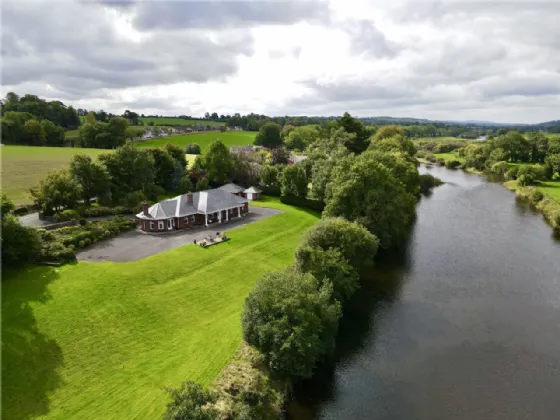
<point x="231" y="188"/>
<point x="203" y="202"/>
<point x="252" y="190"/>
<point x="298" y="158"/>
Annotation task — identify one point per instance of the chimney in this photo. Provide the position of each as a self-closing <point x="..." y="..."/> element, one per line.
<point x="145" y="208"/>
<point x="189" y="198"/>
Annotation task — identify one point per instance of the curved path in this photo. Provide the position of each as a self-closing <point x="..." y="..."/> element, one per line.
<point x="135" y="245"/>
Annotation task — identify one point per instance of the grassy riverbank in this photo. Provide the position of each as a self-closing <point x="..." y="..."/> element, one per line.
<point x="100" y="340"/>
<point x="549" y="205"/>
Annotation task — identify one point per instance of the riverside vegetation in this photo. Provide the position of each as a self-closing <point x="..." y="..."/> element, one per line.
<point x="286" y="330"/>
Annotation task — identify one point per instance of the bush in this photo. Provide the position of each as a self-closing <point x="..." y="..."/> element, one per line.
<point x="87" y="242"/>
<point x="291" y="321"/>
<point x="452" y="164"/>
<point x="83" y="222"/>
<point x="537" y="196"/>
<point x="441" y="161"/>
<point x="67" y="215"/>
<point x="427" y="182"/>
<point x="302" y="202"/>
<point x="271" y="191"/>
<point x="354" y="242"/>
<point x="512" y="172"/>
<point x="500" y="168"/>
<point x="20" y="244"/>
<point x="133" y="199"/>
<point x="190" y="402"/>
<point x="81" y="244"/>
<point x="193" y="149"/>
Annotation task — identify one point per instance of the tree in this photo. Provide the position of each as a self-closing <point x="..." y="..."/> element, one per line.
<point x="539" y="147"/>
<point x="301" y="137"/>
<point x="291" y="320"/>
<point x="286" y="130"/>
<point x="552" y="165"/>
<point x="130" y="169"/>
<point x="321" y="173"/>
<point x="57" y="192"/>
<point x="329" y="267"/>
<point x="54" y="134"/>
<point x="197" y="169"/>
<point x="516" y="147"/>
<point x="365" y="191"/>
<point x="202" y="184"/>
<point x="193" y="149"/>
<point x="271" y="176"/>
<point x="117" y="128"/>
<point x="34" y="133"/>
<point x="401" y="167"/>
<point x="500" y="168"/>
<point x="6" y="205"/>
<point x="354" y="243"/>
<point x="218" y="162"/>
<point x="90" y="118"/>
<point x="279" y="156"/>
<point x="294" y="181"/>
<point x="396" y="143"/>
<point x="165" y="173"/>
<point x="185" y="185"/>
<point x="177" y="154"/>
<point x="91" y="176"/>
<point x="190" y="402"/>
<point x="269" y="136"/>
<point x="360" y="142"/>
<point x="19" y="243"/>
<point x="388" y="131"/>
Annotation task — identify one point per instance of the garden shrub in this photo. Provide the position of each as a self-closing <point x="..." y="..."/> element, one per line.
<point x="193" y="149"/>
<point x="302" y="202"/>
<point x="83" y="222"/>
<point x="452" y="164"/>
<point x="537" y="196"/>
<point x="441" y="161"/>
<point x="427" y="182"/>
<point x="81" y="244"/>
<point x="66" y="215"/>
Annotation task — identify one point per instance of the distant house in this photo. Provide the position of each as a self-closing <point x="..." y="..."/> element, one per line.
<point x="192" y="209"/>
<point x="252" y="194"/>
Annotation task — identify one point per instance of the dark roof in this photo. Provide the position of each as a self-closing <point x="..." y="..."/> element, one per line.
<point x="203" y="202"/>
<point x="231" y="188"/>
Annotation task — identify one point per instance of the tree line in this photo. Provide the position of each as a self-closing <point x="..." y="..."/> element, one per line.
<point x="369" y="184"/>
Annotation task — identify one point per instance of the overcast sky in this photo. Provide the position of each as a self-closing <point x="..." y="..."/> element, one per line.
<point x="454" y="60"/>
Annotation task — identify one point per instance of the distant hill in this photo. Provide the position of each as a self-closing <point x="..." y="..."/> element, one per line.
<point x="170" y="121"/>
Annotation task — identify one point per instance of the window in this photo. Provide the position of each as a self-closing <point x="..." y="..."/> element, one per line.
<point x="160" y="225"/>
<point x="193" y="219"/>
<point x="169" y="223"/>
<point x="151" y="225"/>
<point x="186" y="220"/>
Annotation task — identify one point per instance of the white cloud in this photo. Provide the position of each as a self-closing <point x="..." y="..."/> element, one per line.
<point x="431" y="59"/>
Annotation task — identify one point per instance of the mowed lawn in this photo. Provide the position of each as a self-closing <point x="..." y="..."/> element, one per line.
<point x="449" y="156"/>
<point x="178" y="121"/>
<point x="88" y="340"/>
<point x="24" y="166"/>
<point x="229" y="138"/>
<point x="550" y="188"/>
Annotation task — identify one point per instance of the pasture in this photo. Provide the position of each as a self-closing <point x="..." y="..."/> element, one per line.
<point x="229" y="138"/>
<point x="177" y="121"/>
<point x="449" y="156"/>
<point x="442" y="140"/>
<point x="24" y="166"/>
<point x="550" y="188"/>
<point x="101" y="340"/>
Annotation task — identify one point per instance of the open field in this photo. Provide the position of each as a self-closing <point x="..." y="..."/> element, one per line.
<point x="229" y="138"/>
<point x="24" y="166"/>
<point x="178" y="121"/>
<point x="449" y="156"/>
<point x="101" y="340"/>
<point x="442" y="139"/>
<point x="550" y="188"/>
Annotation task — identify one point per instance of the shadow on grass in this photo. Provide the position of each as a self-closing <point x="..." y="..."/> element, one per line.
<point x="29" y="359"/>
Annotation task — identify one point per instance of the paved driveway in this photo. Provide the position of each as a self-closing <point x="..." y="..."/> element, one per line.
<point x="132" y="246"/>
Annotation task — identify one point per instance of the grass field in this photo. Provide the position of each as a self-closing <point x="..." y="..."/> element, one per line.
<point x="230" y="138"/>
<point x="101" y="340"/>
<point x="449" y="156"/>
<point x="550" y="188"/>
<point x="24" y="166"/>
<point x="442" y="139"/>
<point x="178" y="121"/>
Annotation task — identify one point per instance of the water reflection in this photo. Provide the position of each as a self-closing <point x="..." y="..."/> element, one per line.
<point x="462" y="324"/>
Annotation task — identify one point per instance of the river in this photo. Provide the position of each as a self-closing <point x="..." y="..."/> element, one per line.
<point x="463" y="324"/>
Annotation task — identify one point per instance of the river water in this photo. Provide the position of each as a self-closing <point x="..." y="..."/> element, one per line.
<point x="463" y="324"/>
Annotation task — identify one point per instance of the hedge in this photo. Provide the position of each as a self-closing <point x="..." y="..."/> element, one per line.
<point x="272" y="191"/>
<point x="303" y="202"/>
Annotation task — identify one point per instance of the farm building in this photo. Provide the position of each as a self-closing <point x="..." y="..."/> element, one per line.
<point x="192" y="209"/>
<point x="232" y="189"/>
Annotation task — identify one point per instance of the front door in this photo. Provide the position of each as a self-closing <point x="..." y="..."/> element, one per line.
<point x="169" y="224"/>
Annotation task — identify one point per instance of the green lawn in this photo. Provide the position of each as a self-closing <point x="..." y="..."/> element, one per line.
<point x="230" y="138"/>
<point x="550" y="188"/>
<point x="449" y="156"/>
<point x="442" y="139"/>
<point x="178" y="121"/>
<point x="24" y="166"/>
<point x="88" y="341"/>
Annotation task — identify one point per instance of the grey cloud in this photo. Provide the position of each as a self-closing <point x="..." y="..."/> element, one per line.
<point x="209" y="14"/>
<point x="75" y="48"/>
<point x="365" y="38"/>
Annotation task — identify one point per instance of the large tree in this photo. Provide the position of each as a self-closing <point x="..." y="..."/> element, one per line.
<point x="401" y="166"/>
<point x="354" y="242"/>
<point x="91" y="176"/>
<point x="301" y="137"/>
<point x="190" y="402"/>
<point x="269" y="136"/>
<point x="294" y="181"/>
<point x="291" y="320"/>
<point x="57" y="191"/>
<point x="353" y="126"/>
<point x="366" y="191"/>
<point x="218" y="163"/>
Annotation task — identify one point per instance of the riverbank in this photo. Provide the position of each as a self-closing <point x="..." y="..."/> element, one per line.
<point x="544" y="202"/>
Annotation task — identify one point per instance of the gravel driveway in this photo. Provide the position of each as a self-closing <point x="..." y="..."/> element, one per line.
<point x="132" y="246"/>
